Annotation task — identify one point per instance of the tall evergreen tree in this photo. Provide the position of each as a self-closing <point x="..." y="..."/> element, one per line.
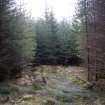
<point x="14" y="36"/>
<point x="5" y="38"/>
<point x="46" y="31"/>
<point x="56" y="42"/>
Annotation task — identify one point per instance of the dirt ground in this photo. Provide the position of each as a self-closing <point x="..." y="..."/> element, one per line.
<point x="51" y="85"/>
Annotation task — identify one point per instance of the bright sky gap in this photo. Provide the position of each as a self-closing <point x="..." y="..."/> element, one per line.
<point x="61" y="8"/>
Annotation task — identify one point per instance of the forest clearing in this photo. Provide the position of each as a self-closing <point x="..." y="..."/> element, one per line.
<point x="52" y="52"/>
<point x="51" y="85"/>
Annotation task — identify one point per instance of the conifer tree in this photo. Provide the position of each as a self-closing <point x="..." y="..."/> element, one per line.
<point x="15" y="35"/>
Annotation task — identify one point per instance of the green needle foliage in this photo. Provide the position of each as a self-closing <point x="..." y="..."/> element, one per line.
<point x="16" y="42"/>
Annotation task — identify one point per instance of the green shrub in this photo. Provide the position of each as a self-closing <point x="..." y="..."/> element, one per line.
<point x="65" y="99"/>
<point x="37" y="87"/>
<point x="4" y="91"/>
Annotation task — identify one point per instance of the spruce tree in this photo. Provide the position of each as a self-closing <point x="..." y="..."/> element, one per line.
<point x="15" y="36"/>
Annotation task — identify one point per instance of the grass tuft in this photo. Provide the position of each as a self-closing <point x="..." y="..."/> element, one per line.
<point x="37" y="87"/>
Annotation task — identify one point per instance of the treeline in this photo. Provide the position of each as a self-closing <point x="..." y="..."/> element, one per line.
<point x="57" y="42"/>
<point x="25" y="42"/>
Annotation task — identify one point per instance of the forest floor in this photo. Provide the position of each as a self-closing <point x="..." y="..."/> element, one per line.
<point x="50" y="85"/>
